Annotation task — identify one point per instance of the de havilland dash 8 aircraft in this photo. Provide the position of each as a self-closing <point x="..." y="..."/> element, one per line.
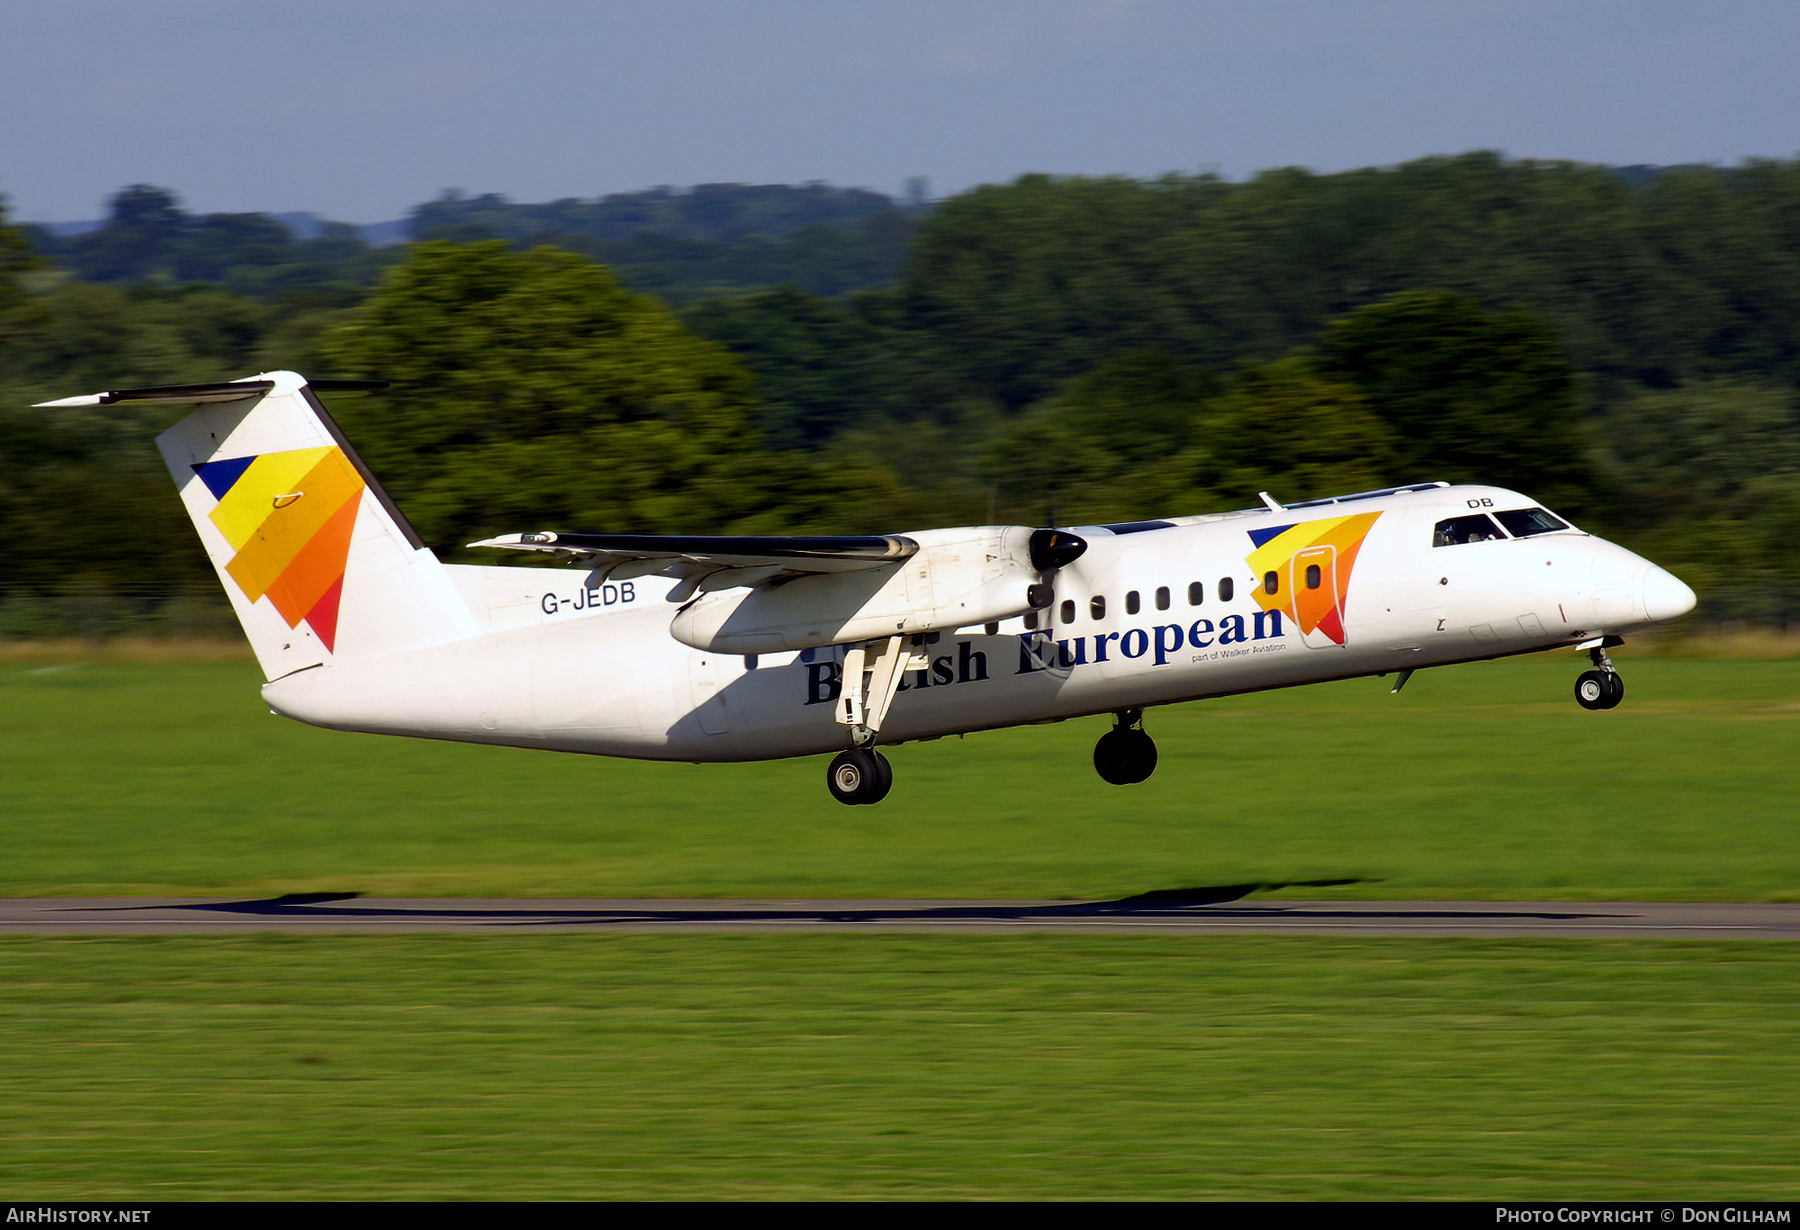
<point x="705" y="648"/>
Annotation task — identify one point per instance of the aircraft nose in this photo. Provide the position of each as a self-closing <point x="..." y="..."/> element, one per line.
<point x="1665" y="596"/>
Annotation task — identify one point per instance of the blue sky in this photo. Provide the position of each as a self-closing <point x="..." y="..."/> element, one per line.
<point x="358" y="110"/>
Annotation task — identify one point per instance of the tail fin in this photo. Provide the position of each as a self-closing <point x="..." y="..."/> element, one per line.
<point x="319" y="563"/>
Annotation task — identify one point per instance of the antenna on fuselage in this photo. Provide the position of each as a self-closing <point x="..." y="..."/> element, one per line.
<point x="1270" y="502"/>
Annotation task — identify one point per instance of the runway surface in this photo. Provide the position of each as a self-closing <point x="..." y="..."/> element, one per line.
<point x="1217" y="911"/>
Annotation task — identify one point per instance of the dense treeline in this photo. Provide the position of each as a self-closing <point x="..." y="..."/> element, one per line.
<point x="713" y="239"/>
<point x="712" y="212"/>
<point x="149" y="238"/>
<point x="1011" y="290"/>
<point x="1624" y="347"/>
<point x="1694" y="276"/>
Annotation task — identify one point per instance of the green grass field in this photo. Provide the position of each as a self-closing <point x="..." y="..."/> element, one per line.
<point x="872" y="1067"/>
<point x="886" y="1067"/>
<point x="1482" y="781"/>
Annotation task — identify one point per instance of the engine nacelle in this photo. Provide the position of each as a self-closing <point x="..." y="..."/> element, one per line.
<point x="959" y="577"/>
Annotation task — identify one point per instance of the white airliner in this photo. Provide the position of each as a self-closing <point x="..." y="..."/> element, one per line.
<point x="721" y="649"/>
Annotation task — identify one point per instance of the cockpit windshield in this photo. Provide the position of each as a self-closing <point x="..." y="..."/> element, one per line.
<point x="1524" y="522"/>
<point x="1479" y="527"/>
<point x="1457" y="530"/>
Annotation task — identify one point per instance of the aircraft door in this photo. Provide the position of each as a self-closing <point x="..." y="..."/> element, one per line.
<point x="1313" y="581"/>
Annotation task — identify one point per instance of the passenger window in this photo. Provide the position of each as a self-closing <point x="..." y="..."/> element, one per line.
<point x="1131" y="602"/>
<point x="1226" y="589"/>
<point x="1068" y="611"/>
<point x="1031" y="621"/>
<point x="1097" y="607"/>
<point x="1312" y="576"/>
<point x="1457" y="530"/>
<point x="1271" y="583"/>
<point x="1524" y="522"/>
<point x="1162" y="597"/>
<point x="1196" y="592"/>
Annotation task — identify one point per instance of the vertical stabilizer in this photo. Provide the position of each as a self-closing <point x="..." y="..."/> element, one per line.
<point x="319" y="563"/>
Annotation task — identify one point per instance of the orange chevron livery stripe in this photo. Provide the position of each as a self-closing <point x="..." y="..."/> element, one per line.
<point x="1320" y="552"/>
<point x="289" y="516"/>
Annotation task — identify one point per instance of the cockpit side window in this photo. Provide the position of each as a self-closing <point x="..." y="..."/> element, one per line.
<point x="1457" y="530"/>
<point x="1524" y="522"/>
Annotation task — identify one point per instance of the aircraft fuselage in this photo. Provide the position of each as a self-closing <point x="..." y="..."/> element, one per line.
<point x="1150" y="614"/>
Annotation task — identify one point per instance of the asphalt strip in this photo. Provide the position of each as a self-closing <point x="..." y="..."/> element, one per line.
<point x="1163" y="913"/>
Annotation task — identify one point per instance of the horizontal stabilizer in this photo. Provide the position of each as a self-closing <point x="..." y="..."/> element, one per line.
<point x="232" y="390"/>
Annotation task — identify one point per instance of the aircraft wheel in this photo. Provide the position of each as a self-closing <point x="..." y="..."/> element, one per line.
<point x="859" y="776"/>
<point x="1125" y="757"/>
<point x="1594" y="691"/>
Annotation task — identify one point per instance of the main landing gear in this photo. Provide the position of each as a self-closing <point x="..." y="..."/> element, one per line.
<point x="1600" y="688"/>
<point x="1125" y="755"/>
<point x="871" y="678"/>
<point x="859" y="776"/>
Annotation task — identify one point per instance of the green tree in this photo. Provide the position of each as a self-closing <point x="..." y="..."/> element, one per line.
<point x="1140" y="407"/>
<point x="1469" y="395"/>
<point x="532" y="392"/>
<point x="1143" y="436"/>
<point x="1099" y="450"/>
<point x="1707" y="483"/>
<point x="1011" y="290"/>
<point x="217" y="243"/>
<point x="1041" y="474"/>
<point x="16" y="259"/>
<point x="71" y="479"/>
<point x="814" y="360"/>
<point x="144" y="229"/>
<point x="1288" y="428"/>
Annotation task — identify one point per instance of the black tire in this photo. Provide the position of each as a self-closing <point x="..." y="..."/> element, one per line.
<point x="1110" y="760"/>
<point x="1592" y="691"/>
<point x="1615" y="690"/>
<point x="859" y="777"/>
<point x="1125" y="757"/>
<point x="1143" y="756"/>
<point x="884" y="778"/>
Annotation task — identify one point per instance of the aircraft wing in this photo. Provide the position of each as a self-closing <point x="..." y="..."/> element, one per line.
<point x="710" y="562"/>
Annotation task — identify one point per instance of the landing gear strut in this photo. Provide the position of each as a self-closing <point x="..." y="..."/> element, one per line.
<point x="1600" y="688"/>
<point x="872" y="673"/>
<point x="859" y="776"/>
<point x="1125" y="755"/>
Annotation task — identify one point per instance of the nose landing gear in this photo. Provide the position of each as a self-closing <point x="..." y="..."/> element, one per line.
<point x="1602" y="687"/>
<point x="1125" y="755"/>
